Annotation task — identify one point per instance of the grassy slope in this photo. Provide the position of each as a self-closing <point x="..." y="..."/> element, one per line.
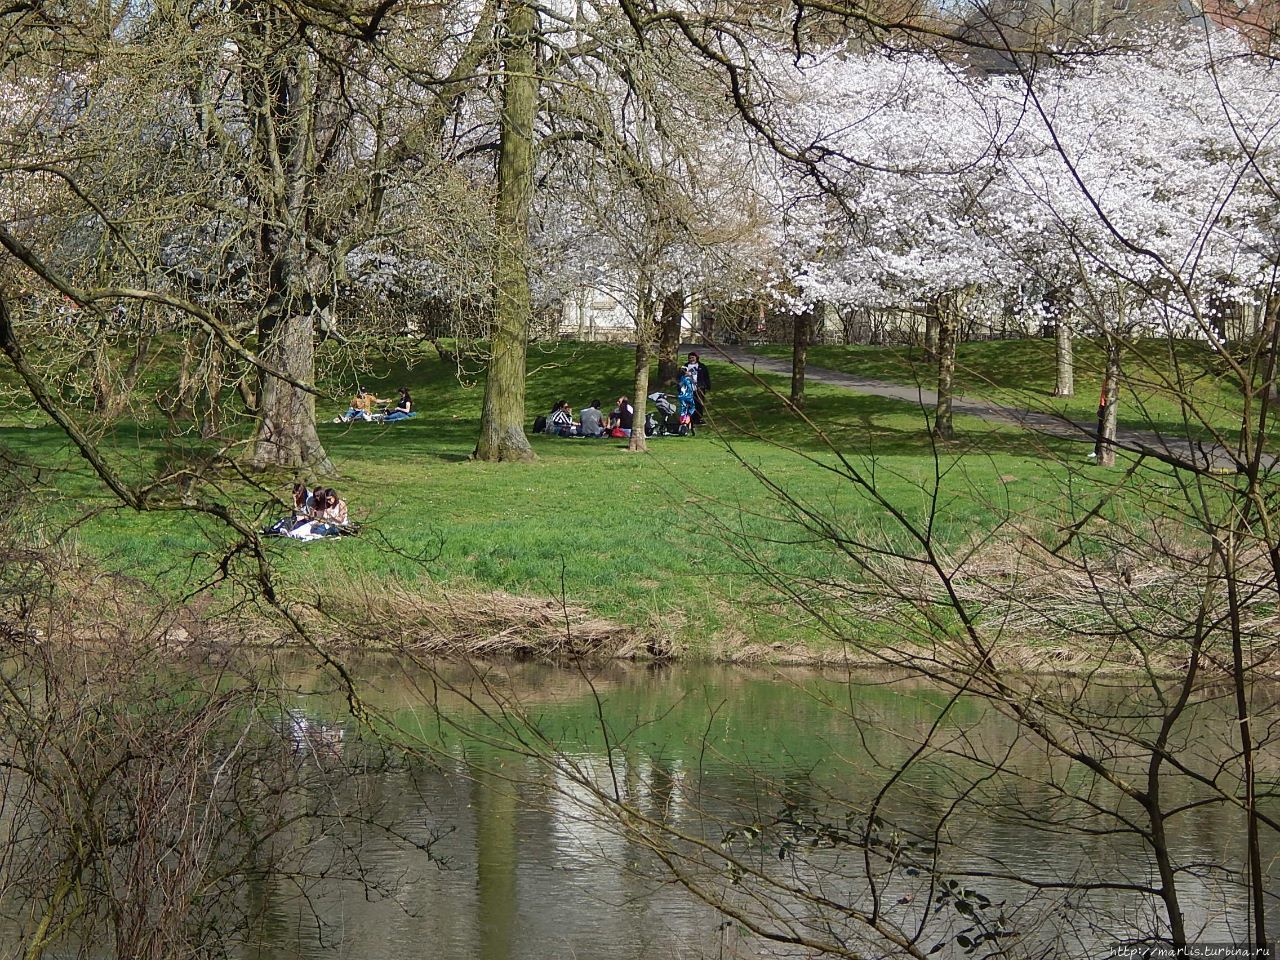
<point x="636" y="538"/>
<point x="1021" y="373"/>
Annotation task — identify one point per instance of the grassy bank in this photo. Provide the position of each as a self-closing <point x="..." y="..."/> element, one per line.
<point x="655" y="543"/>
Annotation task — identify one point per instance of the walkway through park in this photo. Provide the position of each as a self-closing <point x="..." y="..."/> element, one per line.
<point x="1182" y="451"/>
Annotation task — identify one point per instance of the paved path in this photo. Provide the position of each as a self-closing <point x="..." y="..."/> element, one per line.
<point x="1177" y="450"/>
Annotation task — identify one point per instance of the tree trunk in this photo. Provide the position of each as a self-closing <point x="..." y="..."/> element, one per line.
<point x="948" y="314"/>
<point x="669" y="338"/>
<point x="931" y="330"/>
<point x="1105" y="447"/>
<point x="1267" y="339"/>
<point x="140" y="354"/>
<point x="851" y="324"/>
<point x="640" y="389"/>
<point x="280" y="95"/>
<point x="102" y="390"/>
<point x="502" y="436"/>
<point x="1218" y="309"/>
<point x="1065" y="386"/>
<point x="286" y="435"/>
<point x="1259" y="390"/>
<point x="706" y="323"/>
<point x="801" y="326"/>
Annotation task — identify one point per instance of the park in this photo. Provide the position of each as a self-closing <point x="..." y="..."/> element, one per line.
<point x="935" y="616"/>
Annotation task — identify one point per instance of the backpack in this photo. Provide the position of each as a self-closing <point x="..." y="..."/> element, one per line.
<point x="540" y="424"/>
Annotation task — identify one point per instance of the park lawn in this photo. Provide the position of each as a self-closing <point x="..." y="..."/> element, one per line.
<point x="652" y="541"/>
<point x="1021" y="374"/>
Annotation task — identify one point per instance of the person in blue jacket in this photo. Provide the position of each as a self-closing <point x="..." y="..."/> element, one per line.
<point x="688" y="397"/>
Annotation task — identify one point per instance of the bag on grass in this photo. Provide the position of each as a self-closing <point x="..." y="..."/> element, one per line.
<point x="540" y="424"/>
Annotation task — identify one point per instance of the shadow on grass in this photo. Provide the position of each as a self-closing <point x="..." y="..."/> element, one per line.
<point x="1021" y="374"/>
<point x="449" y="407"/>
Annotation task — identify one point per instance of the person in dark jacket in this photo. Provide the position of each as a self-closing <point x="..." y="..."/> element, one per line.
<point x="622" y="417"/>
<point x="701" y="377"/>
<point x="403" y="409"/>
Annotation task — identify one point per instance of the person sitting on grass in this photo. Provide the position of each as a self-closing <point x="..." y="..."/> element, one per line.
<point x="327" y="517"/>
<point x="334" y="514"/>
<point x="303" y="503"/>
<point x="622" y="417"/>
<point x="562" y="423"/>
<point x="592" y="421"/>
<point x="362" y="405"/>
<point x="403" y="409"/>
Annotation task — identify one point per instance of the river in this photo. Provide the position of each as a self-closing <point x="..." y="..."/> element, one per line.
<point x="548" y="798"/>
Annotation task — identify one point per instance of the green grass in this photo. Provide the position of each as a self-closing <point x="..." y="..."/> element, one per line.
<point x="641" y="539"/>
<point x="1021" y="373"/>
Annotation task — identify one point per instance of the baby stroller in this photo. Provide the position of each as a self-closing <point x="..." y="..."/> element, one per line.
<point x="665" y="421"/>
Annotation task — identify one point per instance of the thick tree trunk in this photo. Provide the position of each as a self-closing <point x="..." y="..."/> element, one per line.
<point x="801" y="328"/>
<point x="502" y="436"/>
<point x="669" y="338"/>
<point x="948" y="316"/>
<point x="1108" y="402"/>
<point x="1065" y="385"/>
<point x="286" y="436"/>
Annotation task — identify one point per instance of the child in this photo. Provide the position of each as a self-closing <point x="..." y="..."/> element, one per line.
<point x="688" y="400"/>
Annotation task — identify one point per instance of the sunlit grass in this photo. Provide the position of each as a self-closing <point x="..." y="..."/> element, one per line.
<point x="1178" y="388"/>
<point x="642" y="539"/>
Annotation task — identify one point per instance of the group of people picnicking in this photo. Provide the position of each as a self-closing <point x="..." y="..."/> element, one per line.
<point x="592" y="422"/>
<point x="367" y="408"/>
<point x="317" y="513"/>
<point x="695" y="384"/>
<point x="320" y="512"/>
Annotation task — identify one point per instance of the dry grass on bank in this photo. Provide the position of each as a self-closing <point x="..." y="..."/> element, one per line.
<point x="1133" y="605"/>
<point x="453" y="623"/>
<point x="1038" y="610"/>
<point x="46" y="593"/>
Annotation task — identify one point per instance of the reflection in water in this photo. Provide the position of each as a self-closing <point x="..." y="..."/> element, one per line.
<point x="777" y="769"/>
<point x="762" y="767"/>
<point x="495" y="802"/>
